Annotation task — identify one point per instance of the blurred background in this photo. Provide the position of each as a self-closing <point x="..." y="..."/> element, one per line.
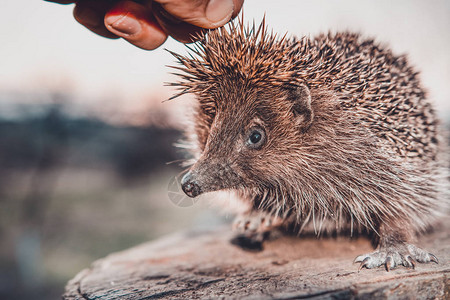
<point x="86" y="140"/>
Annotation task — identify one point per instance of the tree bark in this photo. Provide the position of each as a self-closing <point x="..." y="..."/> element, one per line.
<point x="207" y="265"/>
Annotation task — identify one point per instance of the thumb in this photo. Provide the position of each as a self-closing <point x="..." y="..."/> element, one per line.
<point x="202" y="13"/>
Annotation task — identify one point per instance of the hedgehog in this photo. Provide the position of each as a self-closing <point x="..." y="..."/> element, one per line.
<point x="333" y="133"/>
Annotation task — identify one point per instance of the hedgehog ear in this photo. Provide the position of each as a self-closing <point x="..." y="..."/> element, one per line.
<point x="302" y="110"/>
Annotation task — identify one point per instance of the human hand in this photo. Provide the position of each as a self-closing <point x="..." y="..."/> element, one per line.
<point x="147" y="24"/>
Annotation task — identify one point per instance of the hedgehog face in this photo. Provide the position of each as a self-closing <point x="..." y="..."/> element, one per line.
<point x="245" y="136"/>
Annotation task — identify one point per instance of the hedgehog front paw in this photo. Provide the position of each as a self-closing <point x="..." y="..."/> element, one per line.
<point x="255" y="222"/>
<point x="391" y="257"/>
<point x="254" y="228"/>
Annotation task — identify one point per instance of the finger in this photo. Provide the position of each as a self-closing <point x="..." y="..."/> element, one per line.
<point x="237" y="8"/>
<point x="91" y="14"/>
<point x="179" y="30"/>
<point x="61" y="1"/>
<point x="202" y="13"/>
<point x="136" y="24"/>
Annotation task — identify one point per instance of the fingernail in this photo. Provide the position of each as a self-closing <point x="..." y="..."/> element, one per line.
<point x="219" y="12"/>
<point x="88" y="16"/>
<point x="123" y="24"/>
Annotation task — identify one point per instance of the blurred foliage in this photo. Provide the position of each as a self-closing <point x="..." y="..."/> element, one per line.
<point x="74" y="189"/>
<point x="132" y="151"/>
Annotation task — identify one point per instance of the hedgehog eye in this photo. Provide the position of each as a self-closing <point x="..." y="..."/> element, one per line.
<point x="256" y="138"/>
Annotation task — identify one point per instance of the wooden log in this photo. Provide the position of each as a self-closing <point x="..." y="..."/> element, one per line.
<point x="207" y="265"/>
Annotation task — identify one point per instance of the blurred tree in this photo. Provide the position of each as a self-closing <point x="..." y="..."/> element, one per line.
<point x="52" y="148"/>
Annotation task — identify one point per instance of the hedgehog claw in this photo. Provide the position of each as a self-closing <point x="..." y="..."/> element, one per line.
<point x="433" y="258"/>
<point x="392" y="257"/>
<point x="389" y="263"/>
<point x="364" y="263"/>
<point x="255" y="222"/>
<point x="421" y="255"/>
<point x="409" y="262"/>
<point x="359" y="258"/>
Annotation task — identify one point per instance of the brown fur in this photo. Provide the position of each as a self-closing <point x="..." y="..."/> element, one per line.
<point x="350" y="134"/>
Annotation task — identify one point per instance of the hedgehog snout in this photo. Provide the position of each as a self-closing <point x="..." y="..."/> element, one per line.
<point x="190" y="186"/>
<point x="209" y="174"/>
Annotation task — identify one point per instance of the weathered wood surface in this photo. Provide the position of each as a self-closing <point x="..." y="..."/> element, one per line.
<point x="207" y="265"/>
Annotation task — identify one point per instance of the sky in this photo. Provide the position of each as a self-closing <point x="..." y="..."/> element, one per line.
<point x="43" y="48"/>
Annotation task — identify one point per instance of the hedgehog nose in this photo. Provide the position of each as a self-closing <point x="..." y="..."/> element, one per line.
<point x="190" y="187"/>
